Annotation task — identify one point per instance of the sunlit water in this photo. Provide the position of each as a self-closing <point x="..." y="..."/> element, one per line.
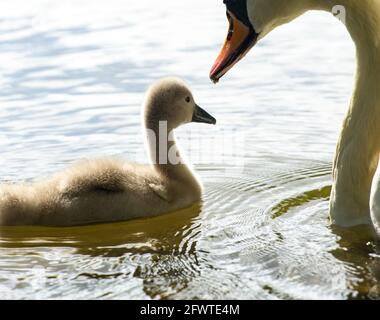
<point x="72" y="79"/>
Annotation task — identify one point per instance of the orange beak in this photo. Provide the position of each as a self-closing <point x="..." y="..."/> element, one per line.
<point x="240" y="40"/>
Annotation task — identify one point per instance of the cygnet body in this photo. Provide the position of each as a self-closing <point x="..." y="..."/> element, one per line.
<point x="99" y="191"/>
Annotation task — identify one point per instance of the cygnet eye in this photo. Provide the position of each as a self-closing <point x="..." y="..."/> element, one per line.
<point x="187" y="99"/>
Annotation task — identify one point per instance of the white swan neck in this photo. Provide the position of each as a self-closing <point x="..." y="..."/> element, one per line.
<point x="359" y="143"/>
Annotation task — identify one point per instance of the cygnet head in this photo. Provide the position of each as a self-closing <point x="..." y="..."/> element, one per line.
<point x="171" y="100"/>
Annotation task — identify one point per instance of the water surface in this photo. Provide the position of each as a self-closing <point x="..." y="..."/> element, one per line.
<point x="72" y="79"/>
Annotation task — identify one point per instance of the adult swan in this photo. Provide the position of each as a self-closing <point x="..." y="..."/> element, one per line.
<point x="355" y="197"/>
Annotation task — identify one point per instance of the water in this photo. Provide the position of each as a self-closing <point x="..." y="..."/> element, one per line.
<point x="72" y="78"/>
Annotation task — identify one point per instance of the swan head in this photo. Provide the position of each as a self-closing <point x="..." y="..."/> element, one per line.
<point x="250" y="21"/>
<point x="171" y="100"/>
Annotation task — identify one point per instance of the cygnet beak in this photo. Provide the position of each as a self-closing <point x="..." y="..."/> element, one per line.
<point x="202" y="116"/>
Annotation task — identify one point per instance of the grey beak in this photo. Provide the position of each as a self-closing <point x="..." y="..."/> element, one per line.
<point x="202" y="116"/>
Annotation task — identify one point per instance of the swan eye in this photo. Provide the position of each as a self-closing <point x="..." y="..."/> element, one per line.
<point x="187" y="99"/>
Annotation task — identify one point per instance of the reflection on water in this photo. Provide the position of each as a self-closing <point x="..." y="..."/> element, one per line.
<point x="111" y="254"/>
<point x="72" y="78"/>
<point x="228" y="248"/>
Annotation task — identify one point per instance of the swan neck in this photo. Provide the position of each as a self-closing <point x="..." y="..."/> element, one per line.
<point x="359" y="144"/>
<point x="164" y="153"/>
<point x="361" y="18"/>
